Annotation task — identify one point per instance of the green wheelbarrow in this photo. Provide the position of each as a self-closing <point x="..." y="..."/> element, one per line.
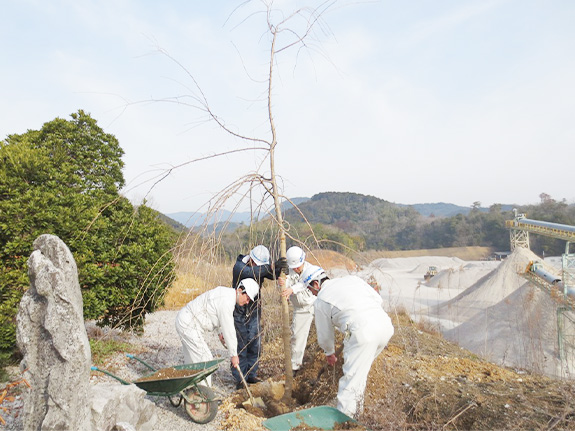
<point x="182" y="383"/>
<point x="319" y="418"/>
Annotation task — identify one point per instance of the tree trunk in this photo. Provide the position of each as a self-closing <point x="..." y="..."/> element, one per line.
<point x="286" y="331"/>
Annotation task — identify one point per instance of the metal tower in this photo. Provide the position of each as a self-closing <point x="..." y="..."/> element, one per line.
<point x="519" y="229"/>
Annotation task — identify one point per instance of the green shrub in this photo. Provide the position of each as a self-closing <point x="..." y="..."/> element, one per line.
<point x="65" y="180"/>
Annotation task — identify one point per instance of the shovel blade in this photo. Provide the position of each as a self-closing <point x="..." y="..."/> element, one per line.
<point x="255" y="402"/>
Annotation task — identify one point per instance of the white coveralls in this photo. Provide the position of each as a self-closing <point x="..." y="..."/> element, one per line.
<point x="354" y="308"/>
<point x="302" y="300"/>
<point x="211" y="310"/>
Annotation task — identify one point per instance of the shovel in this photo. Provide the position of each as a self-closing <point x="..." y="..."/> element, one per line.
<point x="254" y="402"/>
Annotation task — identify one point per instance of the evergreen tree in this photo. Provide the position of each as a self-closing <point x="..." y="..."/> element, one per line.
<point x="65" y="180"/>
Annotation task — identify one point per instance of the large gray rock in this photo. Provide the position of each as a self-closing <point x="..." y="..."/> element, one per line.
<point x="52" y="337"/>
<point x="121" y="407"/>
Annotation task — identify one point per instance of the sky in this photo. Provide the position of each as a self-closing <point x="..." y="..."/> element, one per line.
<point x="412" y="102"/>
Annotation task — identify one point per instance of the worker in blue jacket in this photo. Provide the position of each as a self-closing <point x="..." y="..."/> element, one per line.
<point x="247" y="318"/>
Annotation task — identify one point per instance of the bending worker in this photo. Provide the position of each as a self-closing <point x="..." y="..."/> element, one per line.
<point x="212" y="310"/>
<point x="354" y="308"/>
<point x="302" y="300"/>
<point x="247" y="318"/>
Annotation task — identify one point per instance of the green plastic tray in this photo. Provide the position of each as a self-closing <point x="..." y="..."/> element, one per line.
<point x="322" y="417"/>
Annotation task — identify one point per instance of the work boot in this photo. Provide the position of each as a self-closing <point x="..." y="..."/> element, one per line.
<point x="239" y="385"/>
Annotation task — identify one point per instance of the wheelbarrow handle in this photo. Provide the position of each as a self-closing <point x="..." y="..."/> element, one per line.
<point x="129" y="355"/>
<point x="110" y="374"/>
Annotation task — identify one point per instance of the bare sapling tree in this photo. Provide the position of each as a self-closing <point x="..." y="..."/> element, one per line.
<point x="295" y="31"/>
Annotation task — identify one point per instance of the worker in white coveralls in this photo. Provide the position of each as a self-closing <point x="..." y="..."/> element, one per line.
<point x="213" y="310"/>
<point x="354" y="308"/>
<point x="302" y="300"/>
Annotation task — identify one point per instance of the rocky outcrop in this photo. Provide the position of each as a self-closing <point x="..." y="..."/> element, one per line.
<point x="52" y="337"/>
<point x="121" y="407"/>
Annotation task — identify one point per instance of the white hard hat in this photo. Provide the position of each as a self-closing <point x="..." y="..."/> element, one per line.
<point x="295" y="257"/>
<point x="260" y="255"/>
<point x="250" y="286"/>
<point x="312" y="273"/>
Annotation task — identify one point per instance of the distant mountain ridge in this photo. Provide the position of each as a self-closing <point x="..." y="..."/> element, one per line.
<point x="190" y="219"/>
<point x="195" y="219"/>
<point x="438" y="209"/>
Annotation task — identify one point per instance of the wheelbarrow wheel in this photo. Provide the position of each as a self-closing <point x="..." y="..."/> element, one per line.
<point x="201" y="409"/>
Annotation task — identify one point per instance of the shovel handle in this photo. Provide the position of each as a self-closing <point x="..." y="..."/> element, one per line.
<point x="246" y="385"/>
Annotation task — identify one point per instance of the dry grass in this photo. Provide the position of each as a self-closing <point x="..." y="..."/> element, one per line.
<point x="271" y="312"/>
<point x="330" y="259"/>
<point x="193" y="279"/>
<point x="185" y="288"/>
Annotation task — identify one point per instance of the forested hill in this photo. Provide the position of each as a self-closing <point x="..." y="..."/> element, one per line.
<point x="369" y="223"/>
<point x="341" y="208"/>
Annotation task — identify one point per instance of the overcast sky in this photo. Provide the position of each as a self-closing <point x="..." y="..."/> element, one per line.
<point x="409" y="101"/>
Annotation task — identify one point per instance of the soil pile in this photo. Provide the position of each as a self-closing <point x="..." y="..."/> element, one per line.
<point x="169" y="373"/>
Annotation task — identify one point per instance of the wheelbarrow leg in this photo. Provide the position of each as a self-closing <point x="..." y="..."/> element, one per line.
<point x="176" y="403"/>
